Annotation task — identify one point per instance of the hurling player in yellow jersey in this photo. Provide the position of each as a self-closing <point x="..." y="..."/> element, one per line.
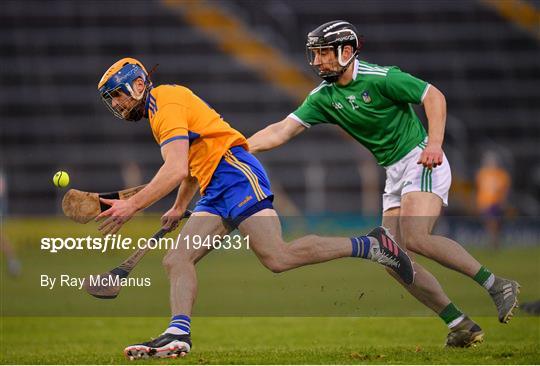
<point x="199" y="148"/>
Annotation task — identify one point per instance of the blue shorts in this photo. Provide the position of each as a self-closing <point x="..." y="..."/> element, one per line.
<point x="238" y="189"/>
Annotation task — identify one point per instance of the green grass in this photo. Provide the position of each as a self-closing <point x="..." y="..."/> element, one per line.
<point x="268" y="341"/>
<point x="247" y="315"/>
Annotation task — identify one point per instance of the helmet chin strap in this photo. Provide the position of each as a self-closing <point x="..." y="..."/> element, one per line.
<point x="339" y="54"/>
<point x="343" y="64"/>
<point x="132" y="92"/>
<point x="137" y="112"/>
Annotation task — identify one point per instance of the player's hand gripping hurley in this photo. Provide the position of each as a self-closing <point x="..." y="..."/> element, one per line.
<point x="83" y="207"/>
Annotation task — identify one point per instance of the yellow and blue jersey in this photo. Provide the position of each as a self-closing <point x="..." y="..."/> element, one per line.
<point x="232" y="181"/>
<point x="175" y="112"/>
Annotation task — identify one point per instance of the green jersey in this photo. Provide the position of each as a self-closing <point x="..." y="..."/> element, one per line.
<point x="374" y="108"/>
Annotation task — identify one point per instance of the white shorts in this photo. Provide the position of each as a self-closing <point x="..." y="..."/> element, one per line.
<point x="406" y="176"/>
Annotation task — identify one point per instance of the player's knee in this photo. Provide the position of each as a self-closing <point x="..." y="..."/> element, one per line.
<point x="415" y="241"/>
<point x="168" y="263"/>
<point x="275" y="262"/>
<point x="172" y="262"/>
<point x="274" y="265"/>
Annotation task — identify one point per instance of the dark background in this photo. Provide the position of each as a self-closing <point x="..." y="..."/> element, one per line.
<point x="54" y="52"/>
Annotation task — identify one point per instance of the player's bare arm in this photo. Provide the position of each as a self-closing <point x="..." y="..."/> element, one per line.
<point x="274" y="135"/>
<point x="435" y="107"/>
<point x="170" y="175"/>
<point x="187" y="190"/>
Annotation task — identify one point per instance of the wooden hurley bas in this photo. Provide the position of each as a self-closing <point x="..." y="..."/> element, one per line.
<point x="82" y="207"/>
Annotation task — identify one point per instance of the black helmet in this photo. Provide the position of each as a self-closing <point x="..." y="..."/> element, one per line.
<point x="335" y="35"/>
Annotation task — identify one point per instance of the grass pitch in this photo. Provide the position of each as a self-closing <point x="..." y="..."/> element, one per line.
<point x="268" y="341"/>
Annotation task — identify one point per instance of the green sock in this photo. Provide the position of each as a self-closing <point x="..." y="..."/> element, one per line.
<point x="484" y="278"/>
<point x="451" y="315"/>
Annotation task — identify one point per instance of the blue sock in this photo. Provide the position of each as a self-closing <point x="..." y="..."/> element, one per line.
<point x="360" y="247"/>
<point x="180" y="324"/>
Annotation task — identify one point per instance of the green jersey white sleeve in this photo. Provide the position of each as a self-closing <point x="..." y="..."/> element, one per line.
<point x="374" y="108"/>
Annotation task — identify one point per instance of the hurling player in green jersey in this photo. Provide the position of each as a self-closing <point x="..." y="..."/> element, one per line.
<point x="373" y="104"/>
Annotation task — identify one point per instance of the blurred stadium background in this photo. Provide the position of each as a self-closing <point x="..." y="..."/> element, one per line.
<point x="246" y="58"/>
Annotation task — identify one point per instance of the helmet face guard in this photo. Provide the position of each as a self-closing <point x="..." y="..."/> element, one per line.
<point x="125" y="109"/>
<point x="332" y="36"/>
<point x="334" y="69"/>
<point x="127" y="104"/>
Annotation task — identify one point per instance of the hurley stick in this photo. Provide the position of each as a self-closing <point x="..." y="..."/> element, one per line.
<point x="82" y="207"/>
<point x="108" y="284"/>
